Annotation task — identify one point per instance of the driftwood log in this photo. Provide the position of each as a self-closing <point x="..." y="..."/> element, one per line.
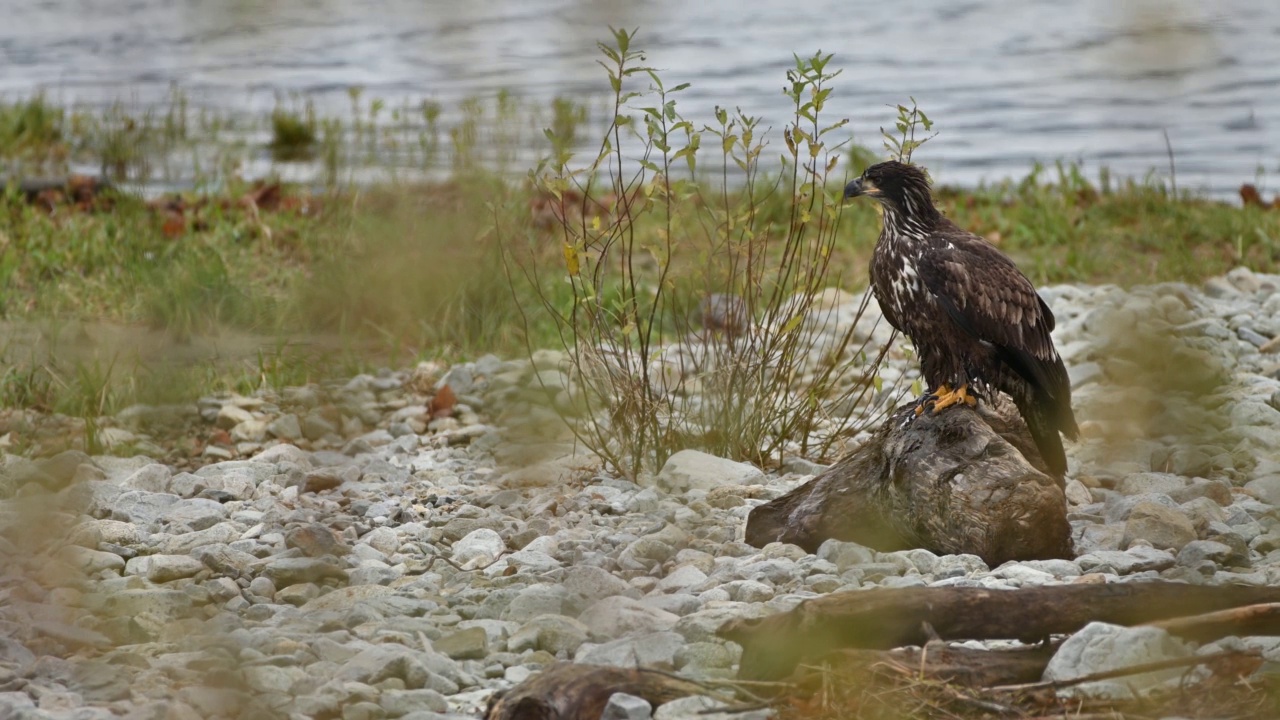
<point x="1261" y="619"/>
<point x="566" y="691"/>
<point x="884" y="618"/>
<point x="862" y="633"/>
<point x="970" y="667"/>
<point x="967" y="480"/>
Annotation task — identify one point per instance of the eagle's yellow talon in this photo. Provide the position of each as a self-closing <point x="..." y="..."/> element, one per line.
<point x="946" y="397"/>
<point x="928" y="400"/>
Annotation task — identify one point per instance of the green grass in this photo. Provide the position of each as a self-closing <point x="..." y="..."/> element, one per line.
<point x="408" y="269"/>
<point x="293" y="137"/>
<point x="1071" y="230"/>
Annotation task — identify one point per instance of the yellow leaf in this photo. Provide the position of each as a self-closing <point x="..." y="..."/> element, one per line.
<point x="571" y="259"/>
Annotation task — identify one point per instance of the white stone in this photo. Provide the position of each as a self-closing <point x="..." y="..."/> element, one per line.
<point x="696" y="470"/>
<point x="682" y="578"/>
<point x="1099" y="647"/>
<point x="152" y="478"/>
<point x="163" y="568"/>
<point x="619" y="615"/>
<point x="622" y="706"/>
<point x="230" y="416"/>
<point x="383" y="539"/>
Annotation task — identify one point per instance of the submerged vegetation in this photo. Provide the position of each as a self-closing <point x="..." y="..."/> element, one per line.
<point x="395" y="249"/>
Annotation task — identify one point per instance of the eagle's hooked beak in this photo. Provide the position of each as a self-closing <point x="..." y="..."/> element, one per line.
<point x="859" y="187"/>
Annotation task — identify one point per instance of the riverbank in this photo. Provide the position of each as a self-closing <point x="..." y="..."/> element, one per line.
<point x="340" y="281"/>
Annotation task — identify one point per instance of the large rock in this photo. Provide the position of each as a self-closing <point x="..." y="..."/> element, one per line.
<point x="1164" y="527"/>
<point x="702" y="707"/>
<point x="140" y="507"/>
<point x="151" y="478"/>
<point x="481" y="545"/>
<point x="553" y="633"/>
<point x="587" y="584"/>
<point x="1139" y="558"/>
<point x="375" y="664"/>
<point x="163" y="568"/>
<point x="652" y="650"/>
<point x="963" y="481"/>
<point x="622" y="706"/>
<point x="1099" y="647"/>
<point x="469" y="644"/>
<point x="696" y="470"/>
<point x="289" y="571"/>
<point x="621" y="615"/>
<point x="535" y="600"/>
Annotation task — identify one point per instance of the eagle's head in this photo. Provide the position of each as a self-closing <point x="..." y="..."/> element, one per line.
<point x="901" y="188"/>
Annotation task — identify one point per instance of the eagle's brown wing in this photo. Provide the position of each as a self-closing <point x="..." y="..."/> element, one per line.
<point x="989" y="298"/>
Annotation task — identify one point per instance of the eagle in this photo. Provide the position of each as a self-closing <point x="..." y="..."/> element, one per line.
<point x="976" y="321"/>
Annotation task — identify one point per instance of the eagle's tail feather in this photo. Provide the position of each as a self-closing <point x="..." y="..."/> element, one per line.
<point x="1045" y="419"/>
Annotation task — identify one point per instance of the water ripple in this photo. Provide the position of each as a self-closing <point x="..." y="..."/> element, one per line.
<point x="1009" y="82"/>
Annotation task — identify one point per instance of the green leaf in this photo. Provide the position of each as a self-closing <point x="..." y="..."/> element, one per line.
<point x="834" y="126"/>
<point x="608" y="52"/>
<point x="657" y="81"/>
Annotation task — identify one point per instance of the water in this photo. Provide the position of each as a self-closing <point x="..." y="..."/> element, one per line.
<point x="1009" y="82"/>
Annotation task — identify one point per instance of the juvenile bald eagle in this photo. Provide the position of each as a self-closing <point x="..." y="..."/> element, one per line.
<point x="975" y="319"/>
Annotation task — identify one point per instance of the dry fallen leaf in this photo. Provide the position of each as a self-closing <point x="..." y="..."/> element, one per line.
<point x="264" y="197"/>
<point x="175" y="225"/>
<point x="1249" y="195"/>
<point x="442" y="404"/>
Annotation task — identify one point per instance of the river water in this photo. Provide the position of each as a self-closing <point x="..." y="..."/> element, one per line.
<point x="1009" y="82"/>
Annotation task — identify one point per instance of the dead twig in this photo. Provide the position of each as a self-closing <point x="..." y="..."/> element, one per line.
<point x="459" y="568"/>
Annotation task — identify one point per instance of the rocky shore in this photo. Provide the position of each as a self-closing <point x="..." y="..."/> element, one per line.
<point x="383" y="549"/>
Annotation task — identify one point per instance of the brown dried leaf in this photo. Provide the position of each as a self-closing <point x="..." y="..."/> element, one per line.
<point x="442" y="404"/>
<point x="320" y="480"/>
<point x="1249" y="195"/>
<point x="174" y="226"/>
<point x="264" y="197"/>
